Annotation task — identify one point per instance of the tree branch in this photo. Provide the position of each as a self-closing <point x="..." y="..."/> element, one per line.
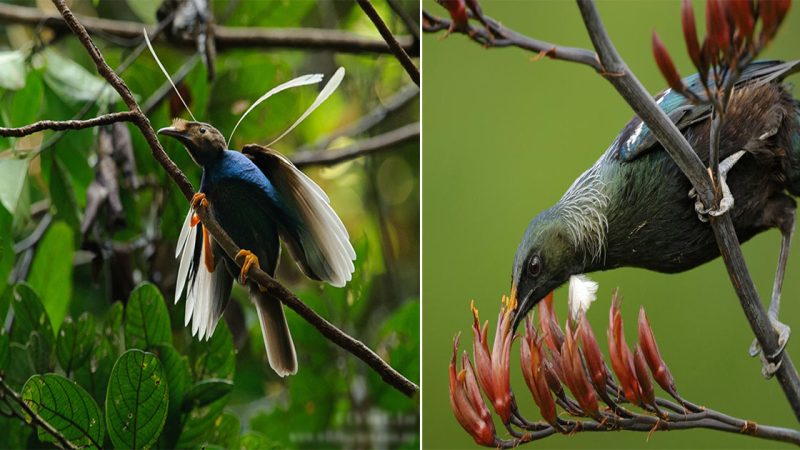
<point x="59" y="125"/>
<point x="226" y="38"/>
<point x="358" y="349"/>
<point x="611" y="66"/>
<point x="364" y="147"/>
<point x="394" y="45"/>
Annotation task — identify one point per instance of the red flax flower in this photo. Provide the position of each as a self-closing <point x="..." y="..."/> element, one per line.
<point x="535" y="373"/>
<point x="620" y="354"/>
<point x="650" y="352"/>
<point x="575" y="377"/>
<point x="467" y="402"/>
<point x="493" y="367"/>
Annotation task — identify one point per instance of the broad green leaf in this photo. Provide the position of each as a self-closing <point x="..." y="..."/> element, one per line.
<point x="399" y="336"/>
<point x="4" y="341"/>
<point x="215" y="358"/>
<point x="12" y="70"/>
<point x="112" y="326"/>
<point x="62" y="193"/>
<point x="254" y="440"/>
<point x="94" y="374"/>
<point x="206" y="391"/>
<point x="75" y="341"/>
<point x="200" y="421"/>
<point x="146" y="318"/>
<point x="136" y="401"/>
<point x="22" y="369"/>
<point x="67" y="407"/>
<point x="29" y="316"/>
<point x="224" y="433"/>
<point x="73" y="83"/>
<point x="12" y="179"/>
<point x="27" y="102"/>
<point x="176" y="369"/>
<point x="51" y="271"/>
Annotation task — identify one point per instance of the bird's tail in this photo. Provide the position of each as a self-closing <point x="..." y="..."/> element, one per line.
<point x="277" y="338"/>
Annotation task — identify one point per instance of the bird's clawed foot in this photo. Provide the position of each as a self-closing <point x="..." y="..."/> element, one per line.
<point x="198" y="200"/>
<point x="249" y="261"/>
<point x="726" y="203"/>
<point x="772" y="362"/>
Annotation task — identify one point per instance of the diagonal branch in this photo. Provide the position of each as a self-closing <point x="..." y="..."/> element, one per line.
<point x="394" y="45"/>
<point x="35" y="419"/>
<point x="266" y="282"/>
<point x="368" y="146"/>
<point x="226" y="38"/>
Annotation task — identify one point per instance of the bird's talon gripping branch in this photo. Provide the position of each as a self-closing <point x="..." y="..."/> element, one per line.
<point x="772" y="362"/>
<point x="726" y="203"/>
<point x="198" y="200"/>
<point x="250" y="260"/>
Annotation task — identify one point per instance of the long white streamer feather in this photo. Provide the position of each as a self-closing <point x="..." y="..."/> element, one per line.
<point x="166" y="74"/>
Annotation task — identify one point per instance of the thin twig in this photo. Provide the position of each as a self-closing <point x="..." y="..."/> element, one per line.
<point x="266" y="282"/>
<point x="364" y="147"/>
<point x="394" y="45"/>
<point x="226" y="38"/>
<point x="106" y="119"/>
<point x="408" y="20"/>
<point x="36" y="419"/>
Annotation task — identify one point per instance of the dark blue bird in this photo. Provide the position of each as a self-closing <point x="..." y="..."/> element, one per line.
<point x="259" y="198"/>
<point x="632" y="209"/>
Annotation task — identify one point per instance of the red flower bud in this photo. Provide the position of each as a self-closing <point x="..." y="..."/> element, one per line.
<point x="648" y="395"/>
<point x="591" y="351"/>
<point x="575" y="376"/>
<point x="717" y="26"/>
<point x="534" y="372"/>
<point x="467" y="403"/>
<point x="548" y="323"/>
<point x="620" y="354"/>
<point x="665" y="64"/>
<point x="743" y="17"/>
<point x="493" y="367"/>
<point x="653" y="357"/>
<point x="690" y="33"/>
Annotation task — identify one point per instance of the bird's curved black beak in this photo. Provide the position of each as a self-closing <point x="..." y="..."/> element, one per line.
<point x="172" y="131"/>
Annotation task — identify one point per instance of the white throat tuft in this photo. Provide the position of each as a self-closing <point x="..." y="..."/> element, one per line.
<point x="582" y="292"/>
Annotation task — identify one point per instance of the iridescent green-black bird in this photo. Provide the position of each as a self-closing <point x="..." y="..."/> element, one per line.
<point x="632" y="209"/>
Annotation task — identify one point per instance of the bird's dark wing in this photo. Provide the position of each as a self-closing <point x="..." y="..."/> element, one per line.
<point x="203" y="273"/>
<point x="316" y="238"/>
<point x="636" y="138"/>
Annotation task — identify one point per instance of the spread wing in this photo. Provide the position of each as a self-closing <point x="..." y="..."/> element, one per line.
<point x="314" y="234"/>
<point x="636" y="138"/>
<point x="203" y="273"/>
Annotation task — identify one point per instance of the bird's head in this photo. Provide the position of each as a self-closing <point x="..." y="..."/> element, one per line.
<point x="203" y="142"/>
<point x="545" y="259"/>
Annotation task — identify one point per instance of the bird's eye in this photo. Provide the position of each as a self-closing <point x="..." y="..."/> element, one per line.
<point x="202" y="130"/>
<point x="535" y="266"/>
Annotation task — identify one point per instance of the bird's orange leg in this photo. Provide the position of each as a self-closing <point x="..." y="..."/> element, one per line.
<point x="199" y="199"/>
<point x="250" y="260"/>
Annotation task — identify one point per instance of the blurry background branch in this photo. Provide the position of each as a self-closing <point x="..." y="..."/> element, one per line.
<point x="611" y="66"/>
<point x="138" y="118"/>
<point x="224" y="37"/>
<point x="393" y="43"/>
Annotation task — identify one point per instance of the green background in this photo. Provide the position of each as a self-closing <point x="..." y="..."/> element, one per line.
<point x="503" y="138"/>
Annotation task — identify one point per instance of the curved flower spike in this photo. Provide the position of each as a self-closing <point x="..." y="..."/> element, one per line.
<point x="653" y="357"/>
<point x="467" y="403"/>
<point x="620" y="354"/>
<point x="534" y="371"/>
<point x="594" y="358"/>
<point x="575" y="376"/>
<point x="493" y="367"/>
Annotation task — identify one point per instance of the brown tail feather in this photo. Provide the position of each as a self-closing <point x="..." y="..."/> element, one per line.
<point x="277" y="338"/>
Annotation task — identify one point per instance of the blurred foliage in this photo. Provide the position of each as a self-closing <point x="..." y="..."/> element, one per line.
<point x="512" y="132"/>
<point x="76" y="332"/>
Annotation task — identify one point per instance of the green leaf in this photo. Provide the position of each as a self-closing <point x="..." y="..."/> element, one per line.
<point x="19" y="372"/>
<point x="224" y="433"/>
<point x="29" y="316"/>
<point x="254" y="440"/>
<point x="399" y="336"/>
<point x="12" y="70"/>
<point x="67" y="407"/>
<point x="51" y="271"/>
<point x="75" y="341"/>
<point x="215" y="358"/>
<point x="136" y="401"/>
<point x="7" y="258"/>
<point x="4" y="341"/>
<point x="112" y="325"/>
<point x="200" y="421"/>
<point x="94" y="374"/>
<point x="176" y="369"/>
<point x="147" y="319"/>
<point x="204" y="392"/>
<point x="73" y="83"/>
<point x="62" y="193"/>
<point x="12" y="179"/>
<point x="27" y="102"/>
